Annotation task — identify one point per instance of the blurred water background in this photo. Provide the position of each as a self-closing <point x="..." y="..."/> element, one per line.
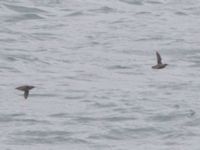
<point x="90" y="61"/>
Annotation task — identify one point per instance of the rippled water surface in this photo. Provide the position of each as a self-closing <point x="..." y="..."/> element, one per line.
<point x="91" y="64"/>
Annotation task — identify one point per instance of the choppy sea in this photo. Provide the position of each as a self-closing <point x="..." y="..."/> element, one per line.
<point x="90" y="61"/>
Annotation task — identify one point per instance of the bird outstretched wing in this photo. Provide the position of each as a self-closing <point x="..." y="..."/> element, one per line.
<point x="159" y="59"/>
<point x="26" y="92"/>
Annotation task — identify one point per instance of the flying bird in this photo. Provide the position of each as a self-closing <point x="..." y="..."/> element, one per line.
<point x="26" y="89"/>
<point x="159" y="65"/>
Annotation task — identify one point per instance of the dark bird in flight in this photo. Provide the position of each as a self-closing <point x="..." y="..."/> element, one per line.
<point x="26" y="89"/>
<point x="159" y="65"/>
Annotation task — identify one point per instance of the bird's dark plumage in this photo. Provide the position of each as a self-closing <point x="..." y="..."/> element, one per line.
<point x="159" y="65"/>
<point x="26" y="89"/>
<point x="159" y="59"/>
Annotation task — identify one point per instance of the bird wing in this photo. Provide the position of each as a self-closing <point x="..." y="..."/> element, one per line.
<point x="159" y="59"/>
<point x="26" y="92"/>
<point x="22" y="88"/>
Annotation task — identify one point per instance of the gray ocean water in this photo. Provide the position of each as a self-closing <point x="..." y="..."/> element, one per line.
<point x="91" y="64"/>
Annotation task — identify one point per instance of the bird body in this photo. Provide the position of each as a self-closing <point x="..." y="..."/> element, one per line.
<point x="26" y="89"/>
<point x="159" y="65"/>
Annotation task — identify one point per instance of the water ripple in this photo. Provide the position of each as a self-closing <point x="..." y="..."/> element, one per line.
<point x="43" y="137"/>
<point x="24" y="17"/>
<point x="24" y="9"/>
<point x="133" y="2"/>
<point x="104" y="9"/>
